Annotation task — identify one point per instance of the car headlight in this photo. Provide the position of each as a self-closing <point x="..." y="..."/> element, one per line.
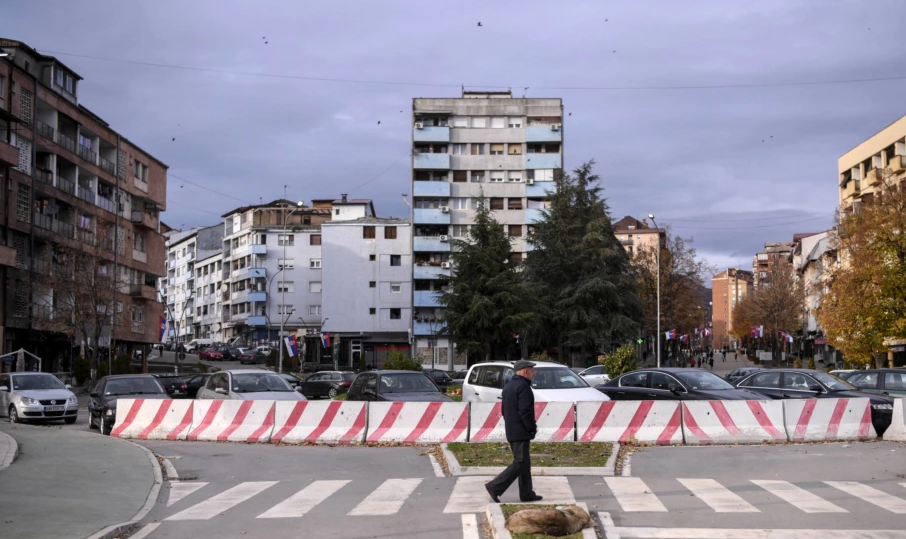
<point x="110" y="411"/>
<point x="882" y="406"/>
<point x="29" y="400"/>
<point x="72" y="400"/>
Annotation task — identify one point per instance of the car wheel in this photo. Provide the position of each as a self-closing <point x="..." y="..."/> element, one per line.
<point x="13" y="414"/>
<point x="332" y="394"/>
<point x="105" y="429"/>
<point x="70" y="420"/>
<point x="91" y="420"/>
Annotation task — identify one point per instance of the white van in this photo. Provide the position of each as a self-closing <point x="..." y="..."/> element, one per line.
<point x="196" y="345"/>
<point x="553" y="383"/>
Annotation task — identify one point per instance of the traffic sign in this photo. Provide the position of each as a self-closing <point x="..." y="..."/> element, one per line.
<point x="640" y="340"/>
<point x="182" y="356"/>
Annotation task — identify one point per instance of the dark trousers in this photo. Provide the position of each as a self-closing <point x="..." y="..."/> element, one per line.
<point x="521" y="469"/>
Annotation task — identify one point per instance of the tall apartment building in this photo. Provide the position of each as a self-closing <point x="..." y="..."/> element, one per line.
<point x="194" y="279"/>
<point x="636" y="235"/>
<point x="483" y="144"/>
<point x="727" y="289"/>
<point x="858" y="168"/>
<point x="367" y="288"/>
<point x="763" y="262"/>
<point x="72" y="184"/>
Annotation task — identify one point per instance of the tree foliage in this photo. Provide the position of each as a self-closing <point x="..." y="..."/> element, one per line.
<point x="620" y="361"/>
<point x="588" y="298"/>
<point x="397" y="360"/>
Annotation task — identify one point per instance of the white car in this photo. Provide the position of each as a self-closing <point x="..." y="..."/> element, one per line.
<point x="552" y="383"/>
<point x="248" y="384"/>
<point x="595" y="375"/>
<point x="36" y="396"/>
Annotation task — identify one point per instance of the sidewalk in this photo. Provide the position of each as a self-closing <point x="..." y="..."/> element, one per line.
<point x="70" y="484"/>
<point x="9" y="450"/>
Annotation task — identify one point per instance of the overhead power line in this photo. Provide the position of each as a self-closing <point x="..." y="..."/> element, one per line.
<point x="216" y="192"/>
<point x="781" y="217"/>
<point x="751" y="227"/>
<point x="669" y="87"/>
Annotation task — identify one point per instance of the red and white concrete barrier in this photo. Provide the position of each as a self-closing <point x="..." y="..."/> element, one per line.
<point x="332" y="422"/>
<point x="486" y="422"/>
<point x="556" y="422"/>
<point x="733" y="422"/>
<point x="651" y="422"/>
<point x="232" y="421"/>
<point x="896" y="432"/>
<point x="815" y="420"/>
<point x="153" y="419"/>
<point x="418" y="422"/>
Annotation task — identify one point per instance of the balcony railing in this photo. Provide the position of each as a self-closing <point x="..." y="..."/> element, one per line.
<point x="85" y="194"/>
<point x="106" y="204"/>
<point x="65" y="185"/>
<point x="85" y="236"/>
<point x="44" y="176"/>
<point x="87" y="154"/>
<point x="47" y="222"/>
<point x="140" y="256"/>
<point x="107" y="166"/>
<point x="66" y="142"/>
<point x="45" y="130"/>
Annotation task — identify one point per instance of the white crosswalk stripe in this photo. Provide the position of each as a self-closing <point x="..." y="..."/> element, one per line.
<point x="469" y="494"/>
<point x="798" y="497"/>
<point x="387" y="498"/>
<point x="224" y="501"/>
<point x="305" y="500"/>
<point x="871" y="495"/>
<point x="719" y="497"/>
<point x="180" y="490"/>
<point x="634" y="495"/>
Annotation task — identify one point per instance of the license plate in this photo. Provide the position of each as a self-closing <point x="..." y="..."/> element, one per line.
<point x="54" y="408"/>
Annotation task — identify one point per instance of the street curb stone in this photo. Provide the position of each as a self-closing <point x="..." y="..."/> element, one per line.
<point x="9" y="450"/>
<point x="606" y="471"/>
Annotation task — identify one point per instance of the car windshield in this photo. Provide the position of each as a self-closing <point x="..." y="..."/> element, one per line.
<point x="348" y="376"/>
<point x="438" y="375"/>
<point x="703" y="381"/>
<point x="28" y="382"/>
<point x="557" y="378"/>
<point x="133" y="386"/>
<point x="832" y="382"/>
<point x="406" y="383"/>
<point x="255" y="383"/>
<point x="170" y="379"/>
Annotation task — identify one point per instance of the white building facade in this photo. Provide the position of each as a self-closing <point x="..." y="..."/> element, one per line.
<point x="184" y="249"/>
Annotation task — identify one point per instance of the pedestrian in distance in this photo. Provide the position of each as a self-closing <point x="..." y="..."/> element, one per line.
<point x="724" y="356"/>
<point x="518" y="409"/>
<point x="711" y="363"/>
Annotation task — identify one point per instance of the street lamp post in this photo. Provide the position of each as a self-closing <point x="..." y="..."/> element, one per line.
<point x="651" y="216"/>
<point x="283" y="288"/>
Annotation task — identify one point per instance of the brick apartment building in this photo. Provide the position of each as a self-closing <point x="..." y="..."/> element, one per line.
<point x="727" y="289"/>
<point x="763" y="261"/>
<point x="72" y="187"/>
<point x="636" y="235"/>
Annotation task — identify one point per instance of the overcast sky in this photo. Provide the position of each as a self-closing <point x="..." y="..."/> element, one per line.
<point x="730" y="167"/>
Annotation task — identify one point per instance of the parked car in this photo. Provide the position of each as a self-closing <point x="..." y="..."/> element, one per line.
<point x="195" y="383"/>
<point x="439" y="377"/>
<point x="173" y="384"/>
<point x="210" y="354"/>
<point x="458" y="377"/>
<point x="806" y="384"/>
<point x="327" y="384"/>
<point x="880" y="381"/>
<point x="253" y="356"/>
<point x="404" y="386"/>
<point x="741" y="373"/>
<point x="195" y="345"/>
<point x="595" y="375"/>
<point x="36" y="396"/>
<point x="291" y="380"/>
<point x="552" y="383"/>
<point x="843" y="374"/>
<point x="673" y="384"/>
<point x="265" y="349"/>
<point x="105" y="394"/>
<point x="248" y="384"/>
<point x="230" y="353"/>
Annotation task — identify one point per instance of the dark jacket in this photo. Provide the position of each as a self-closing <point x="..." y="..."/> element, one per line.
<point x="519" y="410"/>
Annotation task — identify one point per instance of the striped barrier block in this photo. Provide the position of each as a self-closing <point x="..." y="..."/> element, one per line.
<point x="556" y="422"/>
<point x="733" y="422"/>
<point x="896" y="432"/>
<point x="418" y="422"/>
<point x="232" y="421"/>
<point x="153" y="419"/>
<point x="332" y="422"/>
<point x="650" y="422"/>
<point x="815" y="420"/>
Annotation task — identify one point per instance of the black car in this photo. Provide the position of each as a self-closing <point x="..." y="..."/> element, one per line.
<point x="673" y="384"/>
<point x="405" y="386"/>
<point x="741" y="373"/>
<point x="458" y="378"/>
<point x="230" y="353"/>
<point x="326" y="384"/>
<point x="195" y="383"/>
<point x="890" y="382"/>
<point x="291" y="380"/>
<point x="807" y="384"/>
<point x="175" y="385"/>
<point x="104" y="395"/>
<point x="439" y="377"/>
<point x="253" y="356"/>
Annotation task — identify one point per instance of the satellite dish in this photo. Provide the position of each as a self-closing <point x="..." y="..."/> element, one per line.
<point x="216" y="327"/>
<point x="224" y="288"/>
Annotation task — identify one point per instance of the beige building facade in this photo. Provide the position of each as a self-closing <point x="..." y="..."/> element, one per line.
<point x="858" y="168"/>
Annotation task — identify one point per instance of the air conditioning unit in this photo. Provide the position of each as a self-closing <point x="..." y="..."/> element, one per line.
<point x="445" y="209"/>
<point x="445" y="238"/>
<point x="555" y="127"/>
<point x="419" y="125"/>
<point x="446" y="265"/>
<point x="529" y="181"/>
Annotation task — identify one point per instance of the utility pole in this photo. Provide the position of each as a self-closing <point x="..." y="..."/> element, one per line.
<point x="651" y="216"/>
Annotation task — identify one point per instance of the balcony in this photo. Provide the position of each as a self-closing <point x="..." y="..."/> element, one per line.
<point x="240" y="296"/>
<point x="239" y="274"/>
<point x="431" y="189"/>
<point x="257" y="273"/>
<point x="431" y="161"/>
<point x="143" y="219"/>
<point x="88" y="154"/>
<point x="65" y="185"/>
<point x="533" y="215"/>
<point x="426" y="298"/>
<point x="431" y="134"/>
<point x="47" y="222"/>
<point x="139" y="256"/>
<point x="107" y="166"/>
<point x="44" y="176"/>
<point x="85" y="194"/>
<point x="430" y="272"/>
<point x="430" y="244"/>
<point x="257" y="320"/>
<point x="427" y="327"/>
<point x="142" y="291"/>
<point x="85" y="236"/>
<point x="543" y="161"/>
<point x="9" y="154"/>
<point x="7" y="256"/>
<point x="628" y="241"/>
<point x="65" y="142"/>
<point x="46" y="131"/>
<point x="257" y="296"/>
<point x="259" y="249"/>
<point x="540" y="189"/>
<point x="429" y="216"/>
<point x="543" y="133"/>
<point x="239" y="251"/>
<point x="106" y="204"/>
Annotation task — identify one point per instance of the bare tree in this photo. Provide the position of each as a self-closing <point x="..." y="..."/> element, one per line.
<point x="776" y="304"/>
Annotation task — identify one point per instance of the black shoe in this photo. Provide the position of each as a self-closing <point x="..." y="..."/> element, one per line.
<point x="534" y="498"/>
<point x="495" y="497"/>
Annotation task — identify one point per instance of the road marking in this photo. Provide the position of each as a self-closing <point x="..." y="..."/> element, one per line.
<point x="470" y="527"/>
<point x="470" y="496"/>
<point x="224" y="501"/>
<point x="305" y="500"/>
<point x="634" y="495"/>
<point x="145" y="531"/>
<point x="871" y="495"/>
<point x="798" y="497"/>
<point x="721" y="499"/>
<point x="179" y="491"/>
<point x="740" y="533"/>
<point x="438" y="471"/>
<point x="387" y="499"/>
<point x="607" y="526"/>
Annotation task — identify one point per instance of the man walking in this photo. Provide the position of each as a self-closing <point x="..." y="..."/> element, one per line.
<point x="519" y="419"/>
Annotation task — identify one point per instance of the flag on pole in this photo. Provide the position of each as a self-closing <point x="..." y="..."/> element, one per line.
<point x="290" y="345"/>
<point x="786" y="336"/>
<point x="515" y="336"/>
<point x="671" y="334"/>
<point x="684" y="338"/>
<point x="163" y="327"/>
<point x="325" y="339"/>
<point x="757" y="332"/>
<point x="696" y="331"/>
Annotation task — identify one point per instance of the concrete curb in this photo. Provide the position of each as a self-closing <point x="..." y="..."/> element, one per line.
<point x="498" y="523"/>
<point x="607" y="471"/>
<point x="608" y="528"/>
<point x="110" y="532"/>
<point x="12" y="450"/>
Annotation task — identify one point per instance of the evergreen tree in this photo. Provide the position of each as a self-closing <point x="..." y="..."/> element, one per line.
<point x="486" y="300"/>
<point x="586" y="288"/>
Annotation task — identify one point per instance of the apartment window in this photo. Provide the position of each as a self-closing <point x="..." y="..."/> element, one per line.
<point x="2" y="86"/>
<point x="459" y="231"/>
<point x="514" y="176"/>
<point x="139" y="243"/>
<point x="497" y="177"/>
<point x="314" y="310"/>
<point x="396" y="314"/>
<point x="460" y="149"/>
<point x="496" y="203"/>
<point x="477" y="177"/>
<point x="138" y="314"/>
<point x="496" y="149"/>
<point x="314" y="263"/>
<point x="514" y="204"/>
<point x="396" y="288"/>
<point x="372" y="258"/>
<point x="285" y="286"/>
<point x="141" y="171"/>
<point x="479" y="122"/>
<point x="460" y="176"/>
<point x="288" y="240"/>
<point x="396" y="260"/>
<point x="459" y="121"/>
<point x="515" y="123"/>
<point x="461" y="203"/>
<point x="314" y="239"/>
<point x="498" y="123"/>
<point x="314" y="287"/>
<point x="514" y="231"/>
<point x="372" y="284"/>
<point x="368" y="232"/>
<point x="286" y="263"/>
<point x="389" y="232"/>
<point x="372" y="310"/>
<point x="477" y="149"/>
<point x="285" y="309"/>
<point x="514" y="149"/>
<point x="551" y="148"/>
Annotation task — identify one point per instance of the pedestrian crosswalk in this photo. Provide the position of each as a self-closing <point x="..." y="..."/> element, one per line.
<point x="199" y="501"/>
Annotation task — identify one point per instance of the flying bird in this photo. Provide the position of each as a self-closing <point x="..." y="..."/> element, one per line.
<point x="479" y="23"/>
<point x="174" y="139"/>
<point x="379" y="122"/>
<point x="570" y="113"/>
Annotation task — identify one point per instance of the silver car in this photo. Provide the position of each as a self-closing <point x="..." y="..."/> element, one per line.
<point x="248" y="384"/>
<point x="36" y="396"/>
